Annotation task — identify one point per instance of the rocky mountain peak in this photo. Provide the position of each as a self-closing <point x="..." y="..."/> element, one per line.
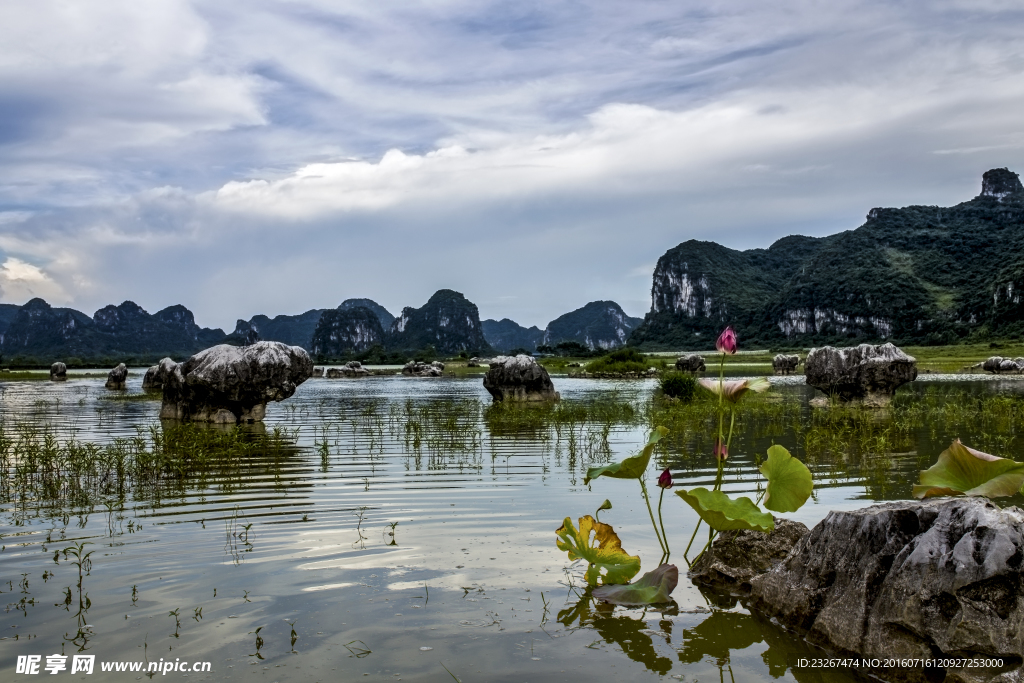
<point x="1001" y="184"/>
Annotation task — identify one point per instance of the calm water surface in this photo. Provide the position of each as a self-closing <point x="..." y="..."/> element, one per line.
<point x="392" y="557"/>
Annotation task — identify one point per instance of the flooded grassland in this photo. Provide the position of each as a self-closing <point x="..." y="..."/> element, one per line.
<point x="403" y="529"/>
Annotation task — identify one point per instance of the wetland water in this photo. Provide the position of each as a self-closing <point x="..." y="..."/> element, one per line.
<point x="399" y="527"/>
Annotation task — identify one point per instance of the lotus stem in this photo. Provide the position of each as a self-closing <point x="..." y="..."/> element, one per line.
<point x="661" y="521"/>
<point x="647" y="501"/>
<point x="687" y="551"/>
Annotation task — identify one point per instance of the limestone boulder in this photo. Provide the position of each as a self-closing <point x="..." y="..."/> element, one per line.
<point x="58" y="372"/>
<point x="149" y="380"/>
<point x="999" y="365"/>
<point x="417" y="369"/>
<point x="118" y="377"/>
<point x="691" y="362"/>
<point x="865" y="374"/>
<point x="519" y="378"/>
<point x="736" y="557"/>
<point x="231" y="384"/>
<point x="785" y="365"/>
<point x="906" y="579"/>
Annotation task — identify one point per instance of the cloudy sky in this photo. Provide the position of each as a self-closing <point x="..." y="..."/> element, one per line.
<point x="271" y="157"/>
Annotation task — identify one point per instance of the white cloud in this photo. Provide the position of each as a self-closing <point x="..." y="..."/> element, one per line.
<point x="20" y="281"/>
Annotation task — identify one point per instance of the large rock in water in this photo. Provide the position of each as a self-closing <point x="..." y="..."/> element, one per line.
<point x="118" y="377"/>
<point x="157" y="374"/>
<point x="230" y="384"/>
<point x="908" y="579"/>
<point x="691" y="362"/>
<point x="736" y="557"/>
<point x="58" y="372"/>
<point x="864" y="374"/>
<point x="519" y="378"/>
<point x="415" y="368"/>
<point x="784" y="365"/>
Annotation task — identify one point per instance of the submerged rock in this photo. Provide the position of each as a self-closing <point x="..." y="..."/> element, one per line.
<point x="118" y="377"/>
<point x="736" y="557"/>
<point x="691" y="362"/>
<point x="58" y="372"/>
<point x="519" y="378"/>
<point x="230" y="384"/>
<point x="784" y="365"/>
<point x="417" y="369"/>
<point x="351" y="369"/>
<point x="907" y="579"/>
<point x="864" y="374"/>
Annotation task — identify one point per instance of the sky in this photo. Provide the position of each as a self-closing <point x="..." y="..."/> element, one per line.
<point x="273" y="157"/>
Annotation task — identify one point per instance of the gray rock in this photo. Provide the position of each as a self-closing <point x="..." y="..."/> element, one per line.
<point x="905" y="579"/>
<point x="150" y="381"/>
<point x="118" y="377"/>
<point x="785" y="365"/>
<point x="992" y="363"/>
<point x="519" y="378"/>
<point x="1009" y="366"/>
<point x="998" y="364"/>
<point x="318" y="371"/>
<point x="58" y="372"/>
<point x="864" y="374"/>
<point x="230" y="384"/>
<point x="351" y="369"/>
<point x="417" y="369"/>
<point x="736" y="557"/>
<point x="691" y="362"/>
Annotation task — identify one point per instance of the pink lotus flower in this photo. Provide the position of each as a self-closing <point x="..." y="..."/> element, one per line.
<point x="665" y="479"/>
<point x="734" y="389"/>
<point x="721" y="450"/>
<point x="726" y="341"/>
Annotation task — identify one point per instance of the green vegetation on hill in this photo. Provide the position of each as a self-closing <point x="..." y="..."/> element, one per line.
<point x="921" y="275"/>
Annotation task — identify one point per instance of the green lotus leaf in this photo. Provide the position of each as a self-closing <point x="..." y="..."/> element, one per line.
<point x="608" y="561"/>
<point x="789" y="481"/>
<point x="963" y="471"/>
<point x="652" y="588"/>
<point x="632" y="467"/>
<point x="722" y="513"/>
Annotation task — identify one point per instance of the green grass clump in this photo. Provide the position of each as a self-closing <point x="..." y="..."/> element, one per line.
<point x="620" y="361"/>
<point x="679" y="385"/>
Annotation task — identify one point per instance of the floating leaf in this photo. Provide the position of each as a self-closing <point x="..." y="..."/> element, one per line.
<point x="722" y="513"/>
<point x="607" y="556"/>
<point x="789" y="481"/>
<point x="651" y="589"/>
<point x="632" y="467"/>
<point x="963" y="471"/>
<point x="606" y="505"/>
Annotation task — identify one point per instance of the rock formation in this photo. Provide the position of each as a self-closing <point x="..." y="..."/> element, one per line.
<point x="58" y="372"/>
<point x="863" y="374"/>
<point x="230" y="384"/>
<point x="118" y="377"/>
<point x="341" y="332"/>
<point x="155" y="376"/>
<point x="519" y="378"/>
<point x="907" y="579"/>
<point x="383" y="314"/>
<point x="691" y="362"/>
<point x="598" y="325"/>
<point x="785" y="365"/>
<point x="736" y="557"/>
<point x="1000" y="365"/>
<point x="448" y="322"/>
<point x="351" y="369"/>
<point x="414" y="368"/>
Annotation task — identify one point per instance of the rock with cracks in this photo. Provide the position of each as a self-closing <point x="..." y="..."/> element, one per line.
<point x="519" y="378"/>
<point x="231" y="384"/>
<point x="864" y="374"/>
<point x="58" y="372"/>
<point x="930" y="579"/>
<point x="998" y="364"/>
<point x="691" y="362"/>
<point x="157" y="374"/>
<point x="118" y="377"/>
<point x="351" y="369"/>
<point x="785" y="365"/>
<point x="736" y="557"/>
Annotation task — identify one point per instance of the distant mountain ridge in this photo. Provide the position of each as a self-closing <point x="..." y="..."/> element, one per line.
<point x="505" y="335"/>
<point x="448" y="322"/>
<point x="916" y="275"/>
<point x="598" y="325"/>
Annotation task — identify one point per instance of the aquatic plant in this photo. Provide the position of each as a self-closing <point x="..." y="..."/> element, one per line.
<point x="963" y="471"/>
<point x="678" y="385"/>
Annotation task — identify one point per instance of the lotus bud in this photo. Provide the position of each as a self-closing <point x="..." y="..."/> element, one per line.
<point x="721" y="450"/>
<point x="665" y="479"/>
<point x="726" y="341"/>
